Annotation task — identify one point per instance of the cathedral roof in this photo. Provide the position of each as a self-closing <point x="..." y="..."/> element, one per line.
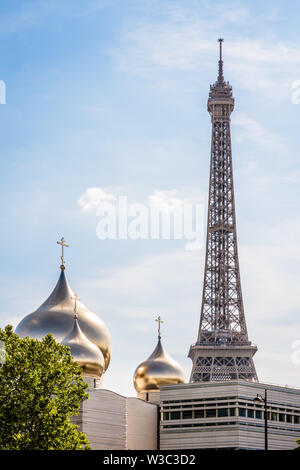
<point x="159" y="369"/>
<point x="85" y="353"/>
<point x="56" y="316"/>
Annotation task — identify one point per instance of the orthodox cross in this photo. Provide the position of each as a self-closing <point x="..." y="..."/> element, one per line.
<point x="63" y="245"/>
<point x="159" y="321"/>
<point x="76" y="299"/>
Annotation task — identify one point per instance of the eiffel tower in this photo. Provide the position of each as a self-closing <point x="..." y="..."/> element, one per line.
<point x="222" y="351"/>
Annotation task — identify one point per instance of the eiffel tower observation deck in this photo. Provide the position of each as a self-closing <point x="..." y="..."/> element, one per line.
<point x="222" y="351"/>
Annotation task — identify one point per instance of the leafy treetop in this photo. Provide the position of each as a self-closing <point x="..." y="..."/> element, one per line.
<point x="41" y="387"/>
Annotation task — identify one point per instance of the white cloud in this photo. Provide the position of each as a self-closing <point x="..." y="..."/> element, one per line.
<point x="292" y="177"/>
<point x="93" y="198"/>
<point x="235" y="16"/>
<point x="181" y="42"/>
<point x="252" y="130"/>
<point x="172" y="200"/>
<point x="168" y="200"/>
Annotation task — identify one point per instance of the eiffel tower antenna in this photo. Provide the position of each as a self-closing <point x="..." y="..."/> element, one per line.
<point x="222" y="351"/>
<point x="220" y="76"/>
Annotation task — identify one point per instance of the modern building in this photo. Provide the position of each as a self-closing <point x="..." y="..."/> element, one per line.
<point x="224" y="415"/>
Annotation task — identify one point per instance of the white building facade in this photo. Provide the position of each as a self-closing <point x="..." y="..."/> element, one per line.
<point x="114" y="422"/>
<point x="212" y="415"/>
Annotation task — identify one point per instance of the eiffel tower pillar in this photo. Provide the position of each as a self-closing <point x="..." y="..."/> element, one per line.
<point x="222" y="351"/>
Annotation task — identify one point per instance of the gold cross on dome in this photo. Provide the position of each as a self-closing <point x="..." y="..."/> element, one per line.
<point x="159" y="321"/>
<point x="63" y="245"/>
<point x="76" y="299"/>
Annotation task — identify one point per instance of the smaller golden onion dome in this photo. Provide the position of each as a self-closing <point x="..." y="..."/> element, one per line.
<point x="84" y="352"/>
<point x="159" y="369"/>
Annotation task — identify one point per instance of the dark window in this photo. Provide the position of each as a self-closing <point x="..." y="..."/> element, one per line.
<point x="296" y="419"/>
<point x="258" y="414"/>
<point x="274" y="416"/>
<point x="222" y="412"/>
<point x="242" y="412"/>
<point x="289" y="418"/>
<point x="211" y="413"/>
<point x="250" y="413"/>
<point x="187" y="414"/>
<point x="175" y="415"/>
<point x="281" y="417"/>
<point x="232" y="411"/>
<point x="199" y="413"/>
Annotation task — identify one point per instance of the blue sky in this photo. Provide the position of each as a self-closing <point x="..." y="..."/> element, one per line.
<point x="112" y="95"/>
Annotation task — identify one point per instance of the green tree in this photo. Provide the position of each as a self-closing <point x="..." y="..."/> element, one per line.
<point x="41" y="386"/>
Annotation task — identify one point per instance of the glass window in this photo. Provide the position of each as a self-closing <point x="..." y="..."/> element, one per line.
<point x="274" y="416"/>
<point x="281" y="417"/>
<point x="289" y="418"/>
<point x="250" y="413"/>
<point x="258" y="414"/>
<point x="242" y="412"/>
<point x="211" y="413"/>
<point x="166" y="415"/>
<point x="187" y="414"/>
<point x="222" y="412"/>
<point x="199" y="413"/>
<point x="175" y="415"/>
<point x="296" y="419"/>
<point x="232" y="411"/>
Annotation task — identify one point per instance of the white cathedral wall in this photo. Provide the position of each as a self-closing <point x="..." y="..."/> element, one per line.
<point x="141" y="424"/>
<point x="113" y="422"/>
<point x="103" y="419"/>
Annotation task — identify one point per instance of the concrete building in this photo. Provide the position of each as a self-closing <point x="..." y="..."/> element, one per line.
<point x="113" y="422"/>
<point x="223" y="415"/>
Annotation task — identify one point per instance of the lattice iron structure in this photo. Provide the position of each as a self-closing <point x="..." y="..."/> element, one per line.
<point x="222" y="351"/>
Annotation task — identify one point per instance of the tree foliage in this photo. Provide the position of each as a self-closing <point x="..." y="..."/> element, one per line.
<point x="41" y="387"/>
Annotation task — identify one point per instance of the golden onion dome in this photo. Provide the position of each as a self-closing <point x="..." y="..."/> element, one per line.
<point x="56" y="316"/>
<point x="84" y="352"/>
<point x="159" y="369"/>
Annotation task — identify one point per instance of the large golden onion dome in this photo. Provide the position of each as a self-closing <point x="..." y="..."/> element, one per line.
<point x="84" y="352"/>
<point x="56" y="316"/>
<point x="159" y="369"/>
